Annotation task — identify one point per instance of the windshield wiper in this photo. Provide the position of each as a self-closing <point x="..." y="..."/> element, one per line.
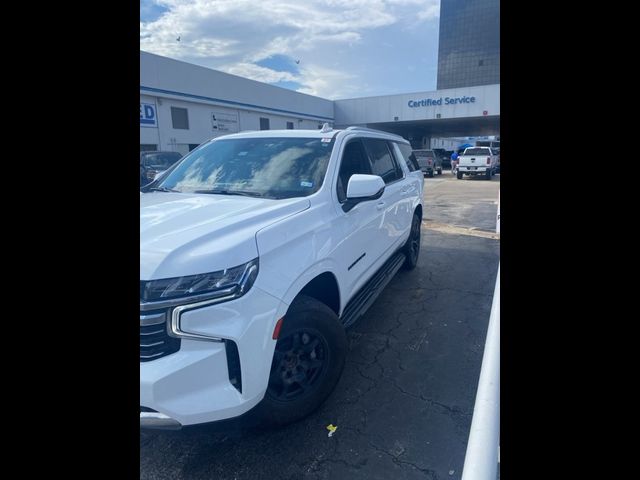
<point x="161" y="189"/>
<point x="244" y="193"/>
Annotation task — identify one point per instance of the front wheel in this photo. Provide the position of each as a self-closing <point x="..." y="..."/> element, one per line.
<point x="307" y="362"/>
<point x="412" y="247"/>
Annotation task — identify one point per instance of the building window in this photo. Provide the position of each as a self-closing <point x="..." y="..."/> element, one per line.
<point x="264" y="123"/>
<point x="289" y="125"/>
<point x="179" y="118"/>
<point x="148" y="147"/>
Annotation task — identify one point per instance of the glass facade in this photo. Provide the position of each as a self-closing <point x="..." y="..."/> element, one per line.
<point x="469" y="49"/>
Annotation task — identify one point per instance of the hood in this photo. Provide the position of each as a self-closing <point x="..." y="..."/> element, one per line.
<point x="186" y="234"/>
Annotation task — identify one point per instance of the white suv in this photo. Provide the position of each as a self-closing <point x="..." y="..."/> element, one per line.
<point x="257" y="250"/>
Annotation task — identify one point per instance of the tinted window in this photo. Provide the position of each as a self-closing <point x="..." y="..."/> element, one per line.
<point x="264" y="123"/>
<point x="409" y="157"/>
<point x="260" y="167"/>
<point x="424" y="153"/>
<point x="382" y="163"/>
<point x="477" y="151"/>
<point x="289" y="125"/>
<point x="180" y="118"/>
<point x="354" y="160"/>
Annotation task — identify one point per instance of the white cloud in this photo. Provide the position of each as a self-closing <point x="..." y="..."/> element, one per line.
<point x="327" y="83"/>
<point x="232" y="34"/>
<point x="256" y="72"/>
<point x="430" y="12"/>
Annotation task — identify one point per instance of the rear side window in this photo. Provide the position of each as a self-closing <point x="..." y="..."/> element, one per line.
<point x="477" y="151"/>
<point x="382" y="162"/>
<point x="408" y="157"/>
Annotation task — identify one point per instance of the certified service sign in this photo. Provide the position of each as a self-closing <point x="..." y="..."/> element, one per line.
<point x="148" y="116"/>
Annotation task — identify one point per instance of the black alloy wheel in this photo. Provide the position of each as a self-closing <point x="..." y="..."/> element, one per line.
<point x="412" y="247"/>
<point x="299" y="364"/>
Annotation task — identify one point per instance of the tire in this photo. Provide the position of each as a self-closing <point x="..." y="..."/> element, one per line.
<point x="287" y="399"/>
<point x="430" y="174"/>
<point x="459" y="175"/>
<point x="488" y="175"/>
<point x="439" y="171"/>
<point x="412" y="247"/>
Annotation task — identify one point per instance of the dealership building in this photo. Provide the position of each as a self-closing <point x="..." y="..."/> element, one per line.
<point x="183" y="105"/>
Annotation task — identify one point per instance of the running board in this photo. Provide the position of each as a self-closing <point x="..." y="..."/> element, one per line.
<point x="365" y="297"/>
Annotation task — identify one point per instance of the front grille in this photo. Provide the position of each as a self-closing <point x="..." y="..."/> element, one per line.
<point x="154" y="340"/>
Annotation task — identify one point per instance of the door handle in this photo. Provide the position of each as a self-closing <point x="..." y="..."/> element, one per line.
<point x="380" y="206"/>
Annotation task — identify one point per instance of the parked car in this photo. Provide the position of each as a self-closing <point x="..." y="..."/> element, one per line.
<point x="257" y="251"/>
<point x="477" y="161"/>
<point x="445" y="158"/>
<point x="429" y="162"/>
<point x="153" y="164"/>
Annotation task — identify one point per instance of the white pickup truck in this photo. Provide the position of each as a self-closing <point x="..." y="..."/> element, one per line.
<point x="477" y="161"/>
<point x="257" y="250"/>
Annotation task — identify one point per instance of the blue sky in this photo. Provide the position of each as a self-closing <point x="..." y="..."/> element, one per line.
<point x="330" y="48"/>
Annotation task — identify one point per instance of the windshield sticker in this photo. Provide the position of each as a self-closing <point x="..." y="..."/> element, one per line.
<point x="325" y="139"/>
<point x="306" y="184"/>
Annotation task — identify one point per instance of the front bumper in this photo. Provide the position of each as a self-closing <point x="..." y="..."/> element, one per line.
<point x="193" y="385"/>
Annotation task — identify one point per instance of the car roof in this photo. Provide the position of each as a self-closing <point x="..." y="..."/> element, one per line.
<point x="330" y="133"/>
<point x="158" y="151"/>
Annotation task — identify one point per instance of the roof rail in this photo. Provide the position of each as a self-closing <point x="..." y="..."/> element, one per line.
<point x="373" y="130"/>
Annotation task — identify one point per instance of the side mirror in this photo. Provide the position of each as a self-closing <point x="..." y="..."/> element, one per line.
<point x="362" y="188"/>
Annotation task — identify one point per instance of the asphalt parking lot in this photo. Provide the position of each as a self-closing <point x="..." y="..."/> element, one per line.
<point x="404" y="404"/>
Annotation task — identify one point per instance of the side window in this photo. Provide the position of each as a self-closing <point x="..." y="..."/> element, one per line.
<point x="382" y="163"/>
<point x="354" y="160"/>
<point x="408" y="156"/>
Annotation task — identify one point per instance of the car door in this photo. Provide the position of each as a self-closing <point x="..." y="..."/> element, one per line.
<point x="361" y="230"/>
<point x="384" y="164"/>
<point x="412" y="189"/>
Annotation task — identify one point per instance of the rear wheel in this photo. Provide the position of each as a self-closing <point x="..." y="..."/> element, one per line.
<point x="459" y="175"/>
<point x="439" y="171"/>
<point x="412" y="247"/>
<point x="487" y="175"/>
<point x="307" y="362"/>
<point x="430" y="174"/>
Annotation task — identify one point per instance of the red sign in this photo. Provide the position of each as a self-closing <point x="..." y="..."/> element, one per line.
<point x="485" y="112"/>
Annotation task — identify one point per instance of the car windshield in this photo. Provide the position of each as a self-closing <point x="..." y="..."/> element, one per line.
<point x="423" y="153"/>
<point x="262" y="167"/>
<point x="161" y="159"/>
<point x="477" y="151"/>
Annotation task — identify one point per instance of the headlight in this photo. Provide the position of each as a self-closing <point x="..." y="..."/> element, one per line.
<point x="235" y="281"/>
